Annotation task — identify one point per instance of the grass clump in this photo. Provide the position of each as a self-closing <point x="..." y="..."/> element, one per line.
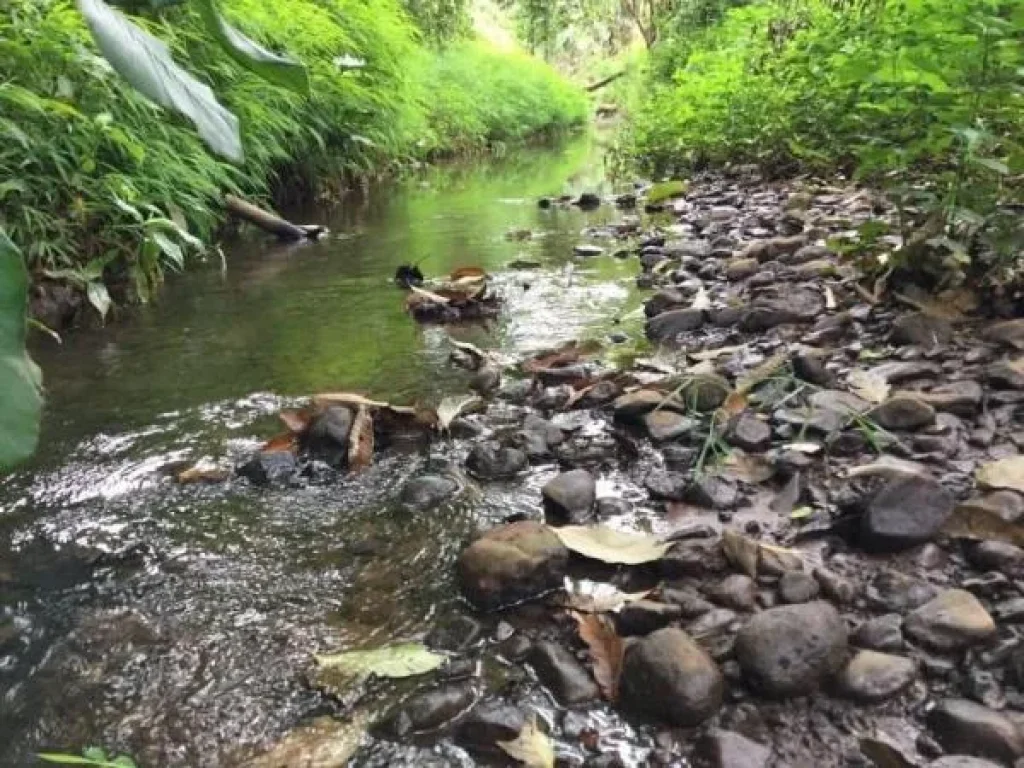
<point x="98" y="186"/>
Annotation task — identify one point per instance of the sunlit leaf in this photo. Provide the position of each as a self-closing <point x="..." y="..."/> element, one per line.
<point x="1003" y="474"/>
<point x="610" y="545"/>
<point x="146" y="63"/>
<point x="394" y="661"/>
<point x="532" y="747"/>
<point x="98" y="297"/>
<point x="453" y="407"/>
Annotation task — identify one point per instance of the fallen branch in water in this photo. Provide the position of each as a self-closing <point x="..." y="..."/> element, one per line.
<point x="271" y="222"/>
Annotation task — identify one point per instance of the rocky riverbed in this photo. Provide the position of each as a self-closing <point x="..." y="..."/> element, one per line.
<point x="784" y="534"/>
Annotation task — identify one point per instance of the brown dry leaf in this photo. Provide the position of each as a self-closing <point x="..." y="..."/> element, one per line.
<point x="473" y="273"/>
<point x="742" y="552"/>
<point x="750" y="468"/>
<point x="296" y="421"/>
<point x="868" y="386"/>
<point x="734" y="404"/>
<point x="952" y="304"/>
<point x="567" y="354"/>
<point x="765" y="370"/>
<point x="283" y="443"/>
<point x="1004" y="474"/>
<point x="607" y="650"/>
<point x="577" y="394"/>
<point x="977" y="521"/>
<point x="203" y="474"/>
<point x="421" y="295"/>
<point x="346" y="398"/>
<point x="360" y="440"/>
<point x="532" y="747"/>
<point x="890" y="468"/>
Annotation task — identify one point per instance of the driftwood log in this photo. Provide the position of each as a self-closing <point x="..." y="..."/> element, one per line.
<point x="271" y="222"/>
<point x="603" y="83"/>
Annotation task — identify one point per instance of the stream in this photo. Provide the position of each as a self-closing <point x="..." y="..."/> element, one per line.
<point x="173" y="622"/>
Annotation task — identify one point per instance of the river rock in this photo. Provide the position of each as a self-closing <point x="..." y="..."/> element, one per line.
<point x="663" y="301"/>
<point x="792" y="650"/>
<point x="960" y="761"/>
<point x="667" y="675"/>
<point x="922" y="330"/>
<point x="667" y="327"/>
<point x="488" y="723"/>
<point x="728" y="749"/>
<point x="562" y="674"/>
<point x="797" y="587"/>
<point x="741" y="269"/>
<point x="711" y="491"/>
<point x="882" y="633"/>
<point x="903" y="412"/>
<point x="766" y="250"/>
<point x="873" y="676"/>
<point x="962" y="398"/>
<point x="641" y="617"/>
<point x="705" y="392"/>
<point x="997" y="556"/>
<point x="1006" y="375"/>
<point x="664" y="425"/>
<point x="899" y="371"/>
<point x="748" y="432"/>
<point x="511" y="563"/>
<point x="430" y="710"/>
<point x="953" y="620"/>
<point x="491" y="461"/>
<point x="809" y="365"/>
<point x="736" y="591"/>
<point x="1009" y="333"/>
<point x="569" y="497"/>
<point x="836" y="588"/>
<point x="907" y="511"/>
<point x="427" y="491"/>
<point x="893" y="591"/>
<point x="633" y="405"/>
<point x="268" y="467"/>
<point x="967" y="728"/>
<point x="327" y="436"/>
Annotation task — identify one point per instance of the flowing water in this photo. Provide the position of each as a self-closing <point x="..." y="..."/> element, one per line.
<point x="173" y="622"/>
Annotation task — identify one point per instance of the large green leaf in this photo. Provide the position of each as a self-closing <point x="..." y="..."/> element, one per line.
<point x="276" y="69"/>
<point x="20" y="398"/>
<point x="146" y="63"/>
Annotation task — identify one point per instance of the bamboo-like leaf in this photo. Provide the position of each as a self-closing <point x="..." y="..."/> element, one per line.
<point x="276" y="69"/>
<point x="146" y="63"/>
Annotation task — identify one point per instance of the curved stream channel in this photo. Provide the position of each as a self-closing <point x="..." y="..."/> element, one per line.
<point x="174" y="622"/>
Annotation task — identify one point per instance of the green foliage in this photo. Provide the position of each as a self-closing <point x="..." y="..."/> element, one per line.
<point x="93" y="756"/>
<point x="440" y="21"/>
<point x="20" y="401"/>
<point x="100" y="186"/>
<point x="923" y="96"/>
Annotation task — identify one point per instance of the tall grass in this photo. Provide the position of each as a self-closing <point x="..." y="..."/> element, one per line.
<point x="87" y="165"/>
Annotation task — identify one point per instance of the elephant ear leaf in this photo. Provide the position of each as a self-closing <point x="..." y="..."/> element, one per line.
<point x="146" y="63"/>
<point x="20" y="380"/>
<point x="280" y="70"/>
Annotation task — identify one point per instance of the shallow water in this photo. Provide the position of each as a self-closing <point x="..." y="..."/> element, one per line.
<point x="186" y="641"/>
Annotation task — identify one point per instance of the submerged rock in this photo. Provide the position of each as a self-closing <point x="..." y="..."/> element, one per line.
<point x="512" y="563"/>
<point x="266" y="468"/>
<point x="429" y="710"/>
<point x="791" y="651"/>
<point x="667" y="675"/>
<point x="488" y="723"/>
<point x="427" y="491"/>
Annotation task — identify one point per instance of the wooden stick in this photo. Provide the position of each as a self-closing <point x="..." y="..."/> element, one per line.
<point x="270" y="222"/>
<point x="603" y="83"/>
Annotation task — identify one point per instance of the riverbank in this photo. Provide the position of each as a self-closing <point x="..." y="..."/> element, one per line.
<point x="105" y="190"/>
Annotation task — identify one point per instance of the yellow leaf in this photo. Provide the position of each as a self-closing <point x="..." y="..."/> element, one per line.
<point x="532" y="747"/>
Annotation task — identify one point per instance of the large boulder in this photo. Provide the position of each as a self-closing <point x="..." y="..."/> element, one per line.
<point x="792" y="650"/>
<point x="512" y="563"/>
<point x="667" y="675"/>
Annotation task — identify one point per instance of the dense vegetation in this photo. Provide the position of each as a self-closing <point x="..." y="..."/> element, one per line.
<point x="99" y="185"/>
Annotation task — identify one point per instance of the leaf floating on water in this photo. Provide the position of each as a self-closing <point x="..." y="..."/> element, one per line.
<point x="609" y="545"/>
<point x="203" y="474"/>
<point x="323" y="743"/>
<point x="868" y="386"/>
<point x="283" y="443"/>
<point x="394" y="661"/>
<point x="977" y="521"/>
<point x="567" y="354"/>
<point x="360" y="440"/>
<point x="296" y="421"/>
<point x="607" y="651"/>
<point x="532" y="747"/>
<point x="462" y="273"/>
<point x="741" y="551"/>
<point x="453" y="407"/>
<point x="1004" y="474"/>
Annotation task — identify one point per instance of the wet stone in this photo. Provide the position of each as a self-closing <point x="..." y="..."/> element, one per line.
<point x="569" y="497"/>
<point x="810" y="366"/>
<point x="873" y="676"/>
<point x="668" y="327"/>
<point x="796" y="587"/>
<point x="456" y="634"/>
<point x="953" y="620"/>
<point x="642" y="617"/>
<point x="792" y="650"/>
<point x="511" y="563"/>
<point x="1009" y="333"/>
<point x="895" y="592"/>
<point x="491" y="461"/>
<point x="488" y="723"/>
<point x="692" y="558"/>
<point x="667" y="675"/>
<point x="664" y="425"/>
<point x="270" y="468"/>
<point x="562" y="674"/>
<point x="903" y="412"/>
<point x="728" y="749"/>
<point x="1005" y="375"/>
<point x="691" y="604"/>
<point x="706" y="392"/>
<point x="663" y="301"/>
<point x="612" y="507"/>
<point x="427" y="492"/>
<point x="907" y="512"/>
<point x="712" y="491"/>
<point x="960" y="397"/>
<point x="883" y="633"/>
<point x="430" y="710"/>
<point x="740" y="269"/>
<point x="835" y="587"/>
<point x="327" y="436"/>
<point x="967" y="728"/>
<point x="997" y="556"/>
<point x="919" y="329"/>
<point x="738" y="592"/>
<point x="748" y="432"/>
<point x="633" y="405"/>
<point x="669" y="486"/>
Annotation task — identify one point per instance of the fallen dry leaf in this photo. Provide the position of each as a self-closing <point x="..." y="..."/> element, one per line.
<point x="346" y="398"/>
<point x="607" y="651"/>
<point x="868" y="386"/>
<point x="420" y="295"/>
<point x="567" y="354"/>
<point x="890" y="468"/>
<point x="360" y="440"/>
<point x="296" y="421"/>
<point x="712" y="354"/>
<point x="283" y="443"/>
<point x="203" y="474"/>
<point x="701" y="299"/>
<point x="977" y="521"/>
<point x="532" y="747"/>
<point x="610" y="545"/>
<point x="830" y="297"/>
<point x="734" y="404"/>
<point x="1004" y="474"/>
<point x="596" y="596"/>
<point x="750" y="468"/>
<point x="742" y="552"/>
